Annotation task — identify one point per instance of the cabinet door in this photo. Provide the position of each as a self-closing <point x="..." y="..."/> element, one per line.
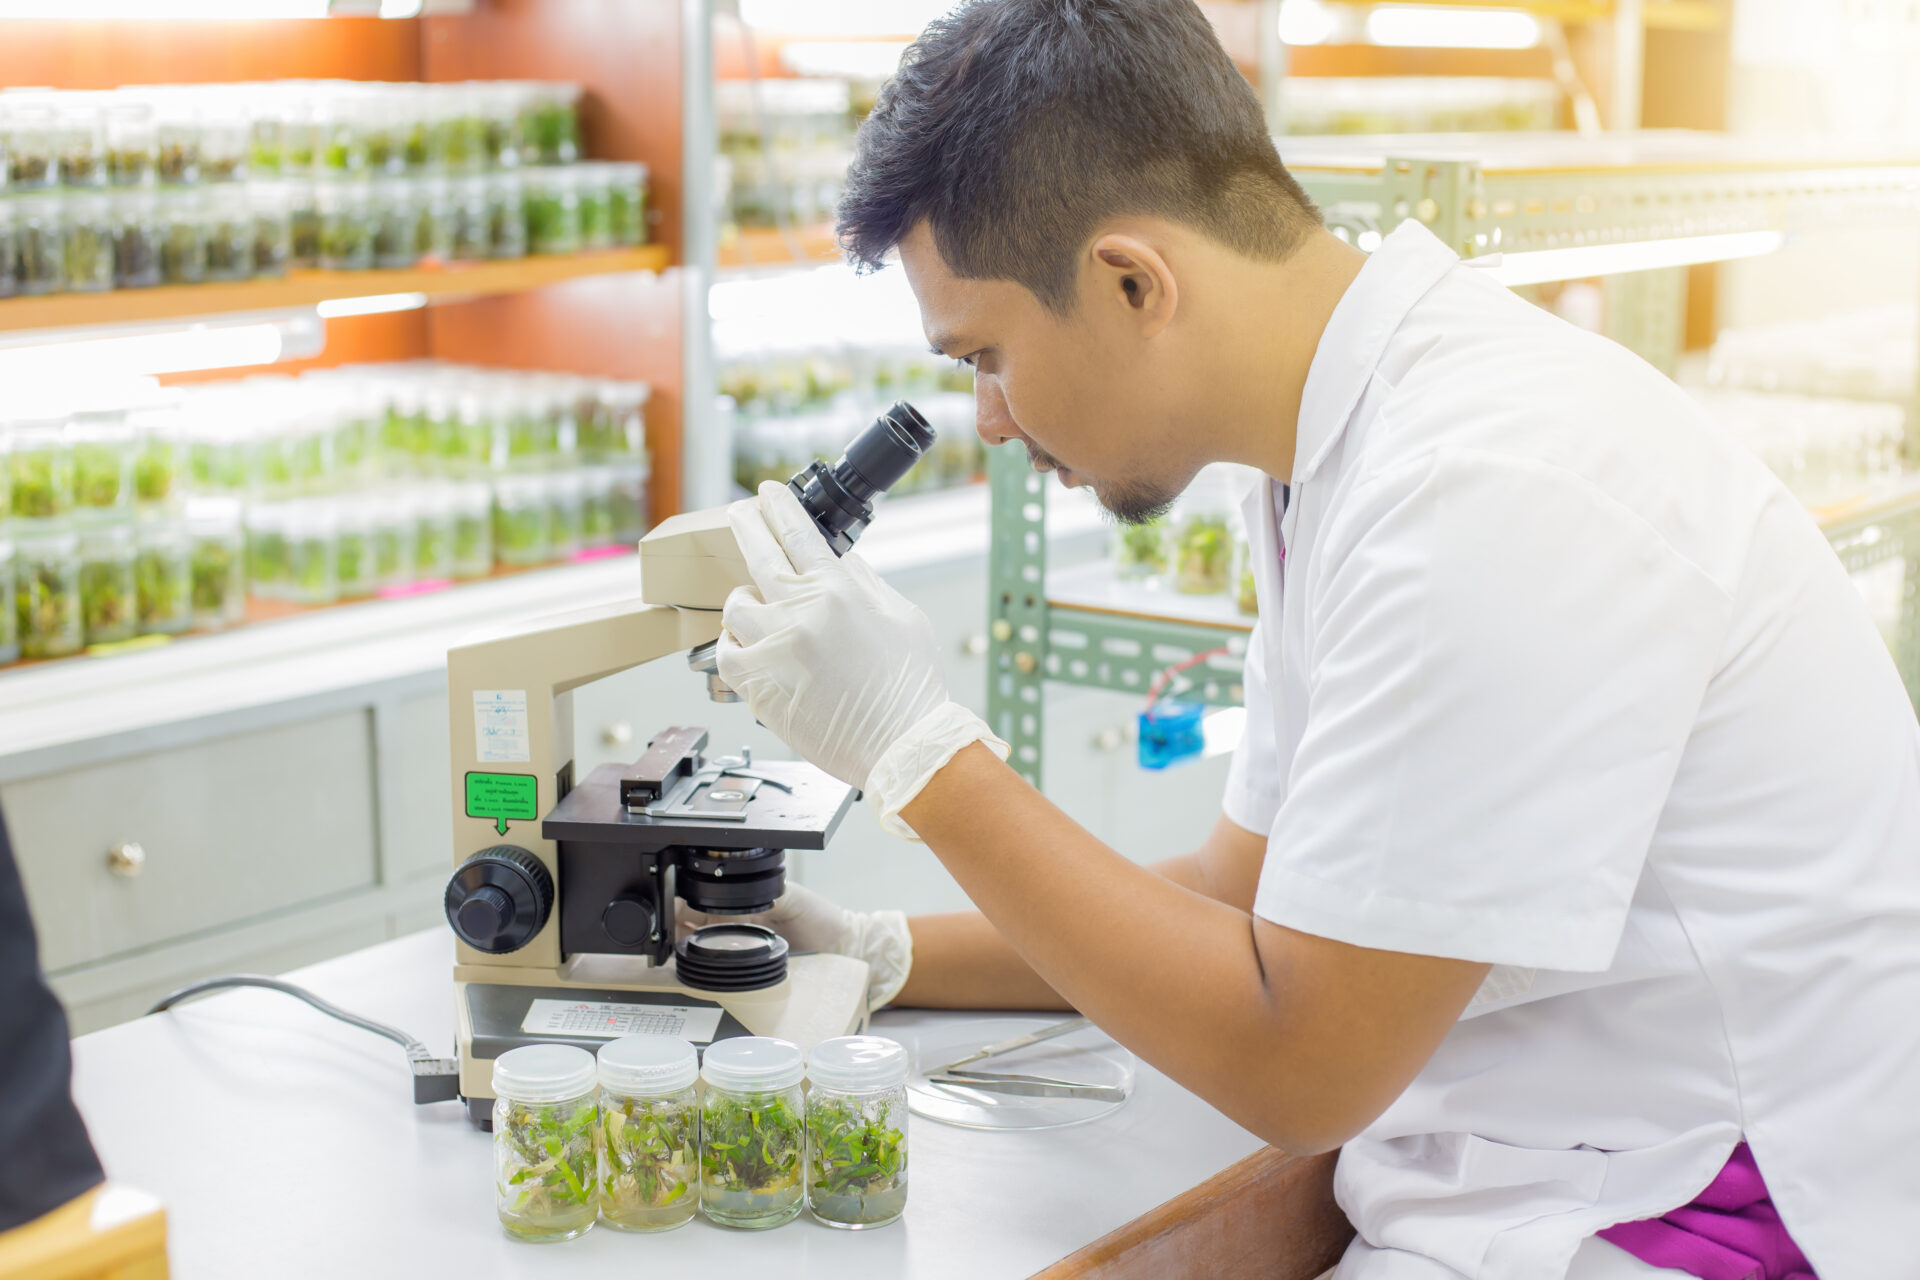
<point x="233" y="829"/>
<point x="413" y="775"/>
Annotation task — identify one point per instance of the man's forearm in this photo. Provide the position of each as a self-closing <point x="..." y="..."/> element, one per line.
<point x="960" y="961"/>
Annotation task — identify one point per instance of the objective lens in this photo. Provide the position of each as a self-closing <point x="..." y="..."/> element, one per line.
<point x="840" y="497"/>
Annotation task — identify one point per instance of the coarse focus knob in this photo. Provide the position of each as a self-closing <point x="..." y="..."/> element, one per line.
<point x="499" y="899"/>
<point x="126" y="859"/>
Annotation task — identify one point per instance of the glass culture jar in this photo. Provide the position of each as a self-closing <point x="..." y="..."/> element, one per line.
<point x="103" y="457"/>
<point x="33" y="162"/>
<point x="752" y="1132"/>
<point x="566" y="496"/>
<point x="270" y="204"/>
<point x="432" y="219"/>
<point x="594" y="183"/>
<point x="393" y="223"/>
<point x="1140" y="550"/>
<point x="40" y="467"/>
<point x="86" y="250"/>
<point x="471" y="238"/>
<point x="857" y="1132"/>
<point x="219" y="562"/>
<point x="178" y="129"/>
<point x="80" y="132"/>
<point x="553" y="211"/>
<point x="627" y="496"/>
<point x="225" y="141"/>
<point x="472" y="530"/>
<point x="133" y="144"/>
<point x="649" y="1133"/>
<point x="267" y="550"/>
<point x="313" y="568"/>
<point x="229" y="233"/>
<point x="163" y="576"/>
<point x="9" y="611"/>
<point x="544" y="1165"/>
<point x="39" y="239"/>
<point x="137" y="238"/>
<point x="9" y="245"/>
<point x="506" y="216"/>
<point x="353" y="553"/>
<point x="6" y="478"/>
<point x="550" y="123"/>
<point x="346" y="226"/>
<point x="522" y="522"/>
<point x="596" y="507"/>
<point x="392" y="545"/>
<point x="107" y="593"/>
<point x="432" y="532"/>
<point x="627" y="203"/>
<point x="46" y="587"/>
<point x="183" y="239"/>
<point x="303" y="222"/>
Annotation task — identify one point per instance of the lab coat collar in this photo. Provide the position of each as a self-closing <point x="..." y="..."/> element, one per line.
<point x="1407" y="264"/>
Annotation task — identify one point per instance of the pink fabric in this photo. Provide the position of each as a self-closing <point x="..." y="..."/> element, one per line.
<point x="1729" y="1232"/>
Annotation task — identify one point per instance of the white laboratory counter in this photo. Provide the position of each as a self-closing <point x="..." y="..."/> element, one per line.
<point x="287" y="1144"/>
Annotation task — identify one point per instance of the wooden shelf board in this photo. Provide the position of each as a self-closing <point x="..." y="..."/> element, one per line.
<point x="305" y="288"/>
<point x="762" y="248"/>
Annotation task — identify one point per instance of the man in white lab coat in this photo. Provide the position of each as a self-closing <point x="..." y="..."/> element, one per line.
<point x="1575" y="836"/>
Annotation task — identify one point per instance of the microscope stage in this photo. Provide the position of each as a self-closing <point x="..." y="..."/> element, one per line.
<point x="803" y="817"/>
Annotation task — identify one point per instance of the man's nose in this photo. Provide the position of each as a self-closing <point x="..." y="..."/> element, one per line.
<point x="991" y="419"/>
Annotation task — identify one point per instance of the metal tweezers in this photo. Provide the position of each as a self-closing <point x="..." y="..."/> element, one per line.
<point x="1029" y="1086"/>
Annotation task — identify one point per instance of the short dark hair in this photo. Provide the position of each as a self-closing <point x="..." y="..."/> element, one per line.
<point x="1015" y="127"/>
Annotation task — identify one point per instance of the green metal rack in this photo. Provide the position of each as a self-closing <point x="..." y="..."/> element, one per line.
<point x="1480" y="194"/>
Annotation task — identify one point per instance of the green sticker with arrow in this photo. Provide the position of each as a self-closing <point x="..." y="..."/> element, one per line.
<point x="501" y="796"/>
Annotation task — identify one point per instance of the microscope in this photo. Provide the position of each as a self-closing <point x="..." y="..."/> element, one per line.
<point x="563" y="895"/>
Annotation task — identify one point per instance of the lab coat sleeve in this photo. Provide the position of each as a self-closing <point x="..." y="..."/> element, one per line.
<point x="1503" y="667"/>
<point x="1254" y="784"/>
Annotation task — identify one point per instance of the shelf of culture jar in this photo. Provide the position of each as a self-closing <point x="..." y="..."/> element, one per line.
<point x="1522" y="192"/>
<point x="756" y="248"/>
<point x="307" y="288"/>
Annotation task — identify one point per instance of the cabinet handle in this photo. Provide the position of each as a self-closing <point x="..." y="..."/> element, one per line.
<point x="126" y="860"/>
<point x="974" y="646"/>
<point x="618" y="734"/>
<point x="1110" y="739"/>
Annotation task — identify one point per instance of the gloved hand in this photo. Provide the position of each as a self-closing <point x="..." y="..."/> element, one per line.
<point x="810" y="923"/>
<point x="840" y="666"/>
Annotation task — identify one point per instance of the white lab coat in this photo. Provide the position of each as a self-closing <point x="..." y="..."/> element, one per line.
<point x="1557" y="677"/>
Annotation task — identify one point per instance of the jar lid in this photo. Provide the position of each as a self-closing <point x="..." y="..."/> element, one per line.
<point x="854" y="1063"/>
<point x="543" y="1073"/>
<point x="753" y="1064"/>
<point x="648" y="1064"/>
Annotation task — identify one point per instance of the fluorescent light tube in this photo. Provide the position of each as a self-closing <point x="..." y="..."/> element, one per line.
<point x="1305" y="22"/>
<point x="372" y="305"/>
<point x="1422" y="27"/>
<point x="179" y="351"/>
<point x="163" y="10"/>
<point x="843" y="17"/>
<point x="1541" y="266"/>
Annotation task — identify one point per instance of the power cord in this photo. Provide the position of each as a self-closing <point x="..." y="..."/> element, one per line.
<point x="434" y="1079"/>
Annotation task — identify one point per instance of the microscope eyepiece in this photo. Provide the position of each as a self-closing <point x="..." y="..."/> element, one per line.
<point x="840" y="497"/>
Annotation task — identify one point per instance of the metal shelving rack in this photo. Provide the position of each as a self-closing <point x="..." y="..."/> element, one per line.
<point x="1480" y="194"/>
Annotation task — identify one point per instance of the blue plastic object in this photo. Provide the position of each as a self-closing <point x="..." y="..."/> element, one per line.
<point x="1170" y="733"/>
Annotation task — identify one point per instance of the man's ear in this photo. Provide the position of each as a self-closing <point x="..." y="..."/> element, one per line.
<point x="1130" y="273"/>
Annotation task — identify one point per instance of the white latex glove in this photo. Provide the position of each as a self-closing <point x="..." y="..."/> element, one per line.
<point x="810" y="923"/>
<point x="839" y="665"/>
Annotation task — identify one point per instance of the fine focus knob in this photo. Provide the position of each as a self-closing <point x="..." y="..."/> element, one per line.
<point x="499" y="899"/>
<point x="126" y="859"/>
<point x="628" y="921"/>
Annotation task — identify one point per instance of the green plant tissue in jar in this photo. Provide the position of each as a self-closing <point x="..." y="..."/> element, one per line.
<point x="46" y="585"/>
<point x="1140" y="550"/>
<point x="752" y="1132"/>
<point x="107" y="591"/>
<point x="544" y="1160"/>
<point x="650" y="1133"/>
<point x="1202" y="555"/>
<point x="857" y="1132"/>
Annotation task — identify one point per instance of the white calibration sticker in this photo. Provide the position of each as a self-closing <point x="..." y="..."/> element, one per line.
<point x="605" y="1021"/>
<point x="500" y="726"/>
